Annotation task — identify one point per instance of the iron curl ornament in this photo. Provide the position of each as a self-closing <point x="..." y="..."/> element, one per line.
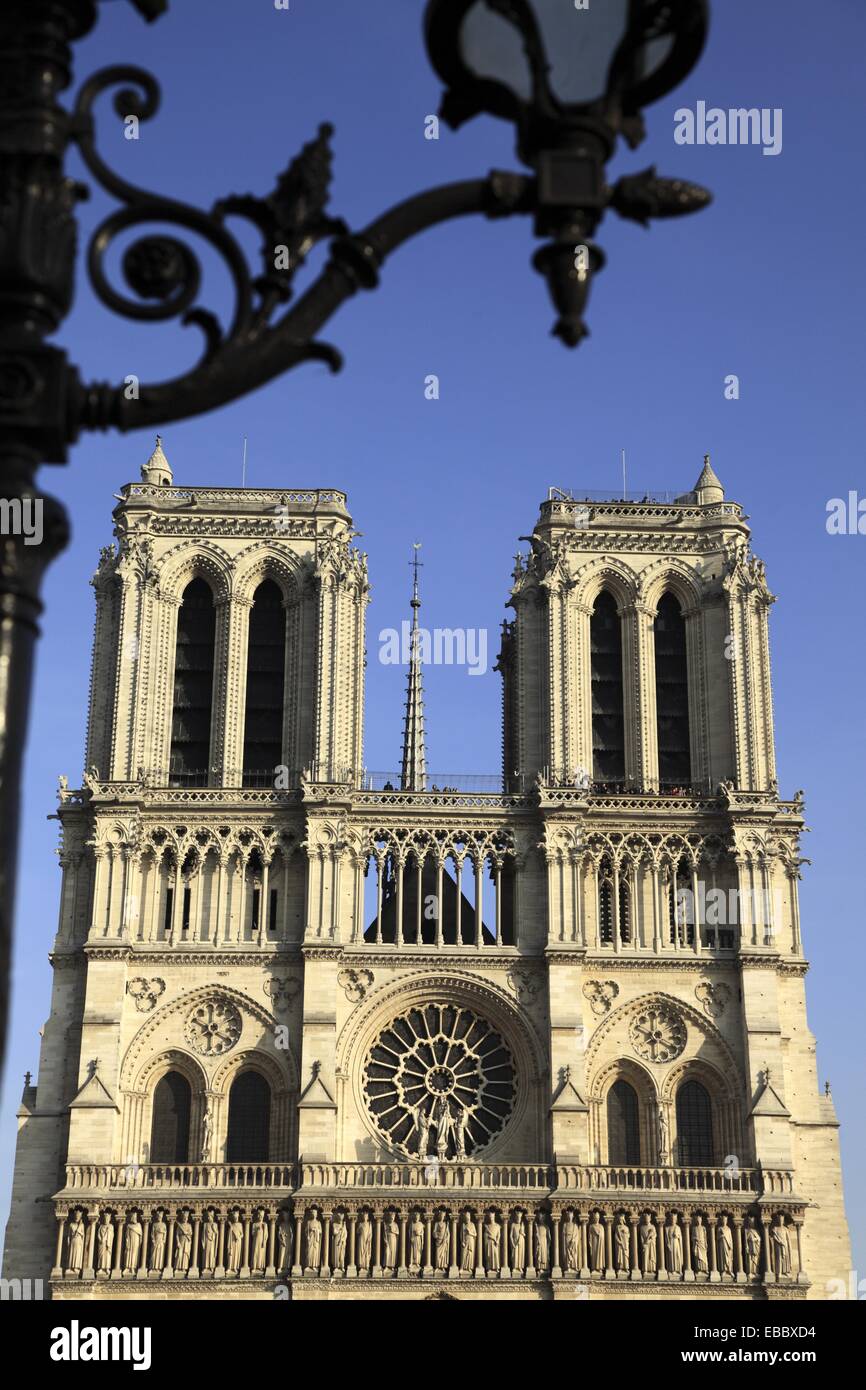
<point x="165" y="273"/>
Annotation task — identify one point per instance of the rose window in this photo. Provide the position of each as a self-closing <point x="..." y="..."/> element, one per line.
<point x="213" y="1027"/>
<point x="439" y="1082"/>
<point x="658" y="1034"/>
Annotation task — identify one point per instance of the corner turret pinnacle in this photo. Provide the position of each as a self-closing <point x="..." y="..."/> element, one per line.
<point x="708" y="488"/>
<point x="157" y="470"/>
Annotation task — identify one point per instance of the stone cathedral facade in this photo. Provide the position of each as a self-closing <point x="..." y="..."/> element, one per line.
<point x="314" y="1037"/>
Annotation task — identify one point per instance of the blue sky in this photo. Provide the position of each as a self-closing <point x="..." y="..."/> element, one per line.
<point x="767" y="283"/>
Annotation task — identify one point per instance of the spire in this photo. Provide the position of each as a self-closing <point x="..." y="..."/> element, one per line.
<point x="708" y="488"/>
<point x="413" y="772"/>
<point x="157" y="470"/>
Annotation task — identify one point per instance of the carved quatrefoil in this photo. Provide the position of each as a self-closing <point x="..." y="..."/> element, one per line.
<point x="213" y="1027"/>
<point x="658" y="1034"/>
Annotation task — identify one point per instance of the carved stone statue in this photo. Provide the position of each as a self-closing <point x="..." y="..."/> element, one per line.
<point x="340" y="1233"/>
<point x="725" y="1246"/>
<point x="314" y="1240"/>
<point x="283" y="1234"/>
<point x="492" y="1243"/>
<point x="422" y="1127"/>
<point x="752" y="1242"/>
<point x="542" y="1242"/>
<point x="235" y="1243"/>
<point x="444" y="1126"/>
<point x="648" y="1246"/>
<point x="674" y="1246"/>
<point x="460" y="1132"/>
<point x="416" y="1242"/>
<point x="467" y="1243"/>
<point x="207" y="1131"/>
<point x="75" y="1253"/>
<point x="620" y="1245"/>
<point x="259" y="1239"/>
<point x="182" y="1243"/>
<point x="209" y="1238"/>
<point x="595" y="1237"/>
<point x="781" y="1246"/>
<point x="104" y="1244"/>
<point x="158" y="1233"/>
<point x="440" y="1242"/>
<point x="570" y="1242"/>
<point x="133" y="1244"/>
<point x="365" y="1240"/>
<point x="391" y="1230"/>
<point x="517" y="1243"/>
<point x="664" y="1140"/>
<point x="699" y="1247"/>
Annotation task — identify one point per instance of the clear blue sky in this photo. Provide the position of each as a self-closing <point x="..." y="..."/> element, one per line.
<point x="768" y="284"/>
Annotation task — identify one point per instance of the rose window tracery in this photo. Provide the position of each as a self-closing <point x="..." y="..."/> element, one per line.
<point x="658" y="1034"/>
<point x="439" y="1082"/>
<point x="213" y="1027"/>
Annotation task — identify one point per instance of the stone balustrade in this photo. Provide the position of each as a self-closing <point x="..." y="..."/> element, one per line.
<point x="89" y="1177"/>
<point x="449" y="1176"/>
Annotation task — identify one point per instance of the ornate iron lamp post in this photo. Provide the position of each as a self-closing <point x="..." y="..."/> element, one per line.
<point x="494" y="55"/>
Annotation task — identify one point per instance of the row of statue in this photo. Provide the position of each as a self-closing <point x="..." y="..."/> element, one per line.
<point x="461" y="1243"/>
<point x="149" y="1252"/>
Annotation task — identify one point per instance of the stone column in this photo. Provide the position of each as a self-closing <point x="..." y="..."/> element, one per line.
<point x="428" y="1244"/>
<point x="145" y="1231"/>
<point x="739" y="1266"/>
<point x="298" y="1266"/>
<point x="555" y="1266"/>
<point x="479" y="1245"/>
<point x="715" y="1276"/>
<point x="769" y="1272"/>
<point x="454" y="1271"/>
<point x="662" y="1273"/>
<point x="119" y="1232"/>
<point x="688" y="1272"/>
<point x="584" y="1245"/>
<point x="88" y="1271"/>
<point x="635" y="1259"/>
<point x="610" y="1272"/>
<point x="402" y="1271"/>
<point x="57" y="1271"/>
<point x="351" y="1271"/>
<point x="271" y="1267"/>
<point x="377" y="1242"/>
<point x="193" y="1272"/>
<point x="504" y="1266"/>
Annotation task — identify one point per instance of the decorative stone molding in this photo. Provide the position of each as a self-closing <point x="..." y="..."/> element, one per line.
<point x="658" y="1033"/>
<point x="355" y="984"/>
<point x="281" y="990"/>
<point x="213" y="1027"/>
<point x="713" y="998"/>
<point x="601" y="994"/>
<point x="146" y="993"/>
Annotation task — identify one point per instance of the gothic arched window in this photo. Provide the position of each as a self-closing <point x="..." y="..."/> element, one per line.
<point x="249" y="1128"/>
<point x="169" y="1130"/>
<point x="266" y="666"/>
<point x="694" y="1125"/>
<point x="623" y="1124"/>
<point x="672" y="695"/>
<point x="193" y="687"/>
<point x="605" y="665"/>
